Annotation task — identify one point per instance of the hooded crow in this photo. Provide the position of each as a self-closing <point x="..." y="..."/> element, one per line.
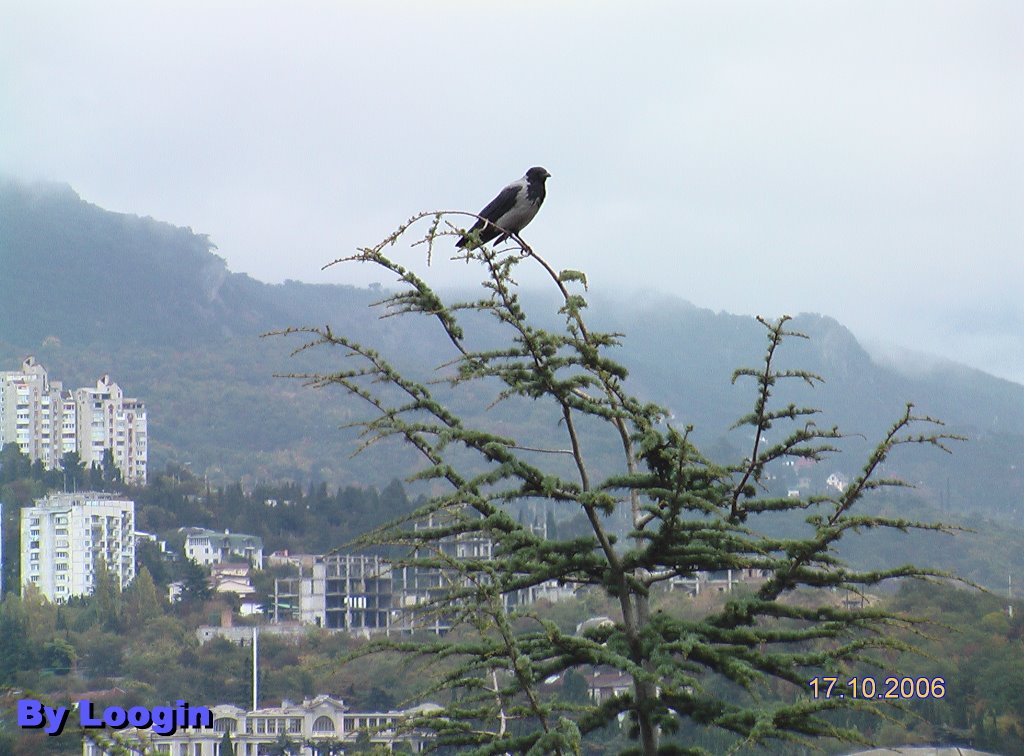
<point x="513" y="208"/>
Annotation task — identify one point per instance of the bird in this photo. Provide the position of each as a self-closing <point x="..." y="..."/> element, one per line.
<point x="511" y="211"/>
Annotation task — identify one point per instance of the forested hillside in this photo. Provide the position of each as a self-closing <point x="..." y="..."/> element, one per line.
<point x="131" y="648"/>
<point x="90" y="292"/>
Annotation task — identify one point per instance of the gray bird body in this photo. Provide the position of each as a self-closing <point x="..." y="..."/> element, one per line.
<point x="510" y="212"/>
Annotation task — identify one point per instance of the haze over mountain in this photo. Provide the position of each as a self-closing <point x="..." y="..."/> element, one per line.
<point x="90" y="292"/>
<point x="719" y="152"/>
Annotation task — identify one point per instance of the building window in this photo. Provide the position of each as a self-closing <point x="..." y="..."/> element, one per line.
<point x="323" y="724"/>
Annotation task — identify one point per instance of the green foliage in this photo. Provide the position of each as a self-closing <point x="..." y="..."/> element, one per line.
<point x="110" y="473"/>
<point x="574" y="687"/>
<point x="14" y="463"/>
<point x="284" y="515"/>
<point x="150" y="558"/>
<point x="141" y="602"/>
<point x="106" y="600"/>
<point x="74" y="471"/>
<point x="684" y="514"/>
<point x="195" y="580"/>
<point x="17" y="651"/>
<point x="161" y="658"/>
<point x="976" y="647"/>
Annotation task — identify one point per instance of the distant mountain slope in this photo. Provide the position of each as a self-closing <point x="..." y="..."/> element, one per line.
<point x="90" y="292"/>
<point x="87" y="272"/>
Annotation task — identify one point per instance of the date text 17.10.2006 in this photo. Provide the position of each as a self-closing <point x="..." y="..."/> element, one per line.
<point x="892" y="688"/>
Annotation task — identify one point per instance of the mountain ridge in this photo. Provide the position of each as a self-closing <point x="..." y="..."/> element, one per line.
<point x="90" y="292"/>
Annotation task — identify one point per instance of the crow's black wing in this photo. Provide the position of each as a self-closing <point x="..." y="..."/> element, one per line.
<point x="501" y="204"/>
<point x="497" y="207"/>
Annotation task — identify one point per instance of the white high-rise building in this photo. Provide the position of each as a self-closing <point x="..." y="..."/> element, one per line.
<point x="107" y="420"/>
<point x="68" y="426"/>
<point x="32" y="412"/>
<point x="47" y="422"/>
<point x="65" y="536"/>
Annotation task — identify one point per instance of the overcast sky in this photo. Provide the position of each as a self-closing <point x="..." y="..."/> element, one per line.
<point x="859" y="159"/>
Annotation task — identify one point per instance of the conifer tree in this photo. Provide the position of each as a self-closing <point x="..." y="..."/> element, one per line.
<point x="141" y="601"/>
<point x="740" y="672"/>
<point x="106" y="600"/>
<point x="227" y="748"/>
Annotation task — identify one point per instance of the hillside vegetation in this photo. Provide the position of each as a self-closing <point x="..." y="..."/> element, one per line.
<point x="89" y="292"/>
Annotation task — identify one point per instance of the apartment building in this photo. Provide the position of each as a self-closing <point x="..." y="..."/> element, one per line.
<point x="65" y="536"/>
<point x="106" y="419"/>
<point x="47" y="421"/>
<point x="32" y="412"/>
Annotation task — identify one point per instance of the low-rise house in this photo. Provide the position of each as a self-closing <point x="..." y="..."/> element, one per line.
<point x="604" y="683"/>
<point x="209" y="547"/>
<point x="231" y="577"/>
<point x="234" y="578"/>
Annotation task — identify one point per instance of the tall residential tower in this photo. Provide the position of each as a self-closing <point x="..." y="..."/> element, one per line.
<point x="66" y="537"/>
<point x="47" y="421"/>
